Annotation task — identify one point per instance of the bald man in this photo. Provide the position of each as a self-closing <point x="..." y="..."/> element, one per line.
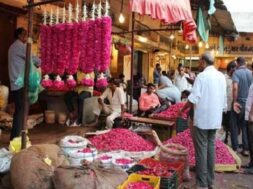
<point x="208" y="97"/>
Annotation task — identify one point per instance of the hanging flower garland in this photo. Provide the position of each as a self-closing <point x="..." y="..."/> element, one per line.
<point x="68" y="44"/>
<point x="90" y="47"/>
<point x="98" y="44"/>
<point x="87" y="81"/>
<point x="83" y="43"/>
<point x="58" y="84"/>
<point x="106" y="43"/>
<point x="43" y="42"/>
<point x="46" y="82"/>
<point x="59" y="66"/>
<point x="54" y="51"/>
<point x="70" y="82"/>
<point x="48" y="59"/>
<point x="101" y="81"/>
<point x="74" y="51"/>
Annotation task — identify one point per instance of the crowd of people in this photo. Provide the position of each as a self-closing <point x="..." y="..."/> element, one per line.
<point x="214" y="99"/>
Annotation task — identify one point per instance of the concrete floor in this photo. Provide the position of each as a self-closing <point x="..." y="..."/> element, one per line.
<point x="53" y="133"/>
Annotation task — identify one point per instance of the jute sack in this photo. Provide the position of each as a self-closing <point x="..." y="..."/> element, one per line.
<point x="33" y="168"/>
<point x="73" y="178"/>
<point x="88" y="177"/>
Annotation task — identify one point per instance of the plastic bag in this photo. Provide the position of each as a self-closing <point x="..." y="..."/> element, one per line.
<point x="5" y="160"/>
<point x="34" y="83"/>
<point x="15" y="144"/>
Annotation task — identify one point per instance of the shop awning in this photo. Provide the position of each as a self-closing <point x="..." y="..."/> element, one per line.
<point x="168" y="11"/>
<point x="242" y="14"/>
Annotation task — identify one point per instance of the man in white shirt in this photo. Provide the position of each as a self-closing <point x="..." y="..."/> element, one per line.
<point x="208" y="97"/>
<point x="181" y="79"/>
<point x="116" y="97"/>
<point x="16" y="66"/>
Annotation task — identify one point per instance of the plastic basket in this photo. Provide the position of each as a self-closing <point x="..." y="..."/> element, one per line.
<point x="177" y="166"/>
<point x="152" y="180"/>
<point x="165" y="182"/>
<point x="169" y="182"/>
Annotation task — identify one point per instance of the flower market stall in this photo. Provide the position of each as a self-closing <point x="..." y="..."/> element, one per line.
<point x="169" y="12"/>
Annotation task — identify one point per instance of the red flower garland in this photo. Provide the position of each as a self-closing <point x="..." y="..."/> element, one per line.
<point x="68" y="44"/>
<point x="90" y="47"/>
<point x="71" y="83"/>
<point x="74" y="50"/>
<point x="106" y="43"/>
<point x="59" y="65"/>
<point x="98" y="43"/>
<point x="46" y="82"/>
<point x="43" y="42"/>
<point x="83" y="42"/>
<point x="54" y="50"/>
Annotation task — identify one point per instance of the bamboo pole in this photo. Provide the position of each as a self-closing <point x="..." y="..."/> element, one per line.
<point x="132" y="62"/>
<point x="27" y="70"/>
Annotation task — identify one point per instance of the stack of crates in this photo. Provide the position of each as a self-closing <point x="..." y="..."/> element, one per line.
<point x="177" y="166"/>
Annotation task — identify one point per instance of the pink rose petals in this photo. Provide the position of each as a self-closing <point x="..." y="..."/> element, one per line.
<point x="121" y="139"/>
<point x="172" y="112"/>
<point x="222" y="153"/>
<point x="139" y="185"/>
<point x="123" y="161"/>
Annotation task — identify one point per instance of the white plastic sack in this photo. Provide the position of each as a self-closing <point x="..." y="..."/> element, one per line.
<point x="5" y="160"/>
<point x="73" y="141"/>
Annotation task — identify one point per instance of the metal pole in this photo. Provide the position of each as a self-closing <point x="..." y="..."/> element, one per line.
<point x="27" y="71"/>
<point x="132" y="62"/>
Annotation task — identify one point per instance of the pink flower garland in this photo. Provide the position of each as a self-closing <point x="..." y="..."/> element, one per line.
<point x="74" y="50"/>
<point x="59" y="65"/>
<point x="46" y="82"/>
<point x="87" y="82"/>
<point x="54" y="50"/>
<point x="58" y="84"/>
<point x="106" y="43"/>
<point x="101" y="83"/>
<point x="68" y="44"/>
<point x="71" y="83"/>
<point x="98" y="43"/>
<point x="43" y="42"/>
<point x="48" y="59"/>
<point x="83" y="41"/>
<point x="90" y="47"/>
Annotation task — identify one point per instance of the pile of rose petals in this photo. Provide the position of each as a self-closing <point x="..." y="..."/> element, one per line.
<point x="121" y="139"/>
<point x="223" y="155"/>
<point x="154" y="168"/>
<point x="172" y="112"/>
<point x="139" y="185"/>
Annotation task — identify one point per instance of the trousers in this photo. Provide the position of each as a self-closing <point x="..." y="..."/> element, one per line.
<point x="204" y="143"/>
<point x="237" y="122"/>
<point x="250" y="141"/>
<point x="18" y="96"/>
<point x="73" y="97"/>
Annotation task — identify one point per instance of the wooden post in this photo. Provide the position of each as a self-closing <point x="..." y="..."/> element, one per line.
<point x="190" y="57"/>
<point x="27" y="71"/>
<point x="132" y="62"/>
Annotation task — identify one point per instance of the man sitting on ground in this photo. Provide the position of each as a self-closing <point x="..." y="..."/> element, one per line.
<point x="149" y="101"/>
<point x="116" y="97"/>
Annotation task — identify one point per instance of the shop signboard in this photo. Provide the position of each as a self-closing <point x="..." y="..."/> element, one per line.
<point x="239" y="49"/>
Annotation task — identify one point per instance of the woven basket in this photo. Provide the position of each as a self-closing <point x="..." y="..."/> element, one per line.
<point x="50" y="117"/>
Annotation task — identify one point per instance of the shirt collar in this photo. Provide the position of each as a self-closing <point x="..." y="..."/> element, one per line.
<point x="209" y="68"/>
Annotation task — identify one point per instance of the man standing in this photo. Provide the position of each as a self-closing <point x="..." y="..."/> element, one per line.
<point x="16" y="65"/>
<point x="242" y="79"/>
<point x="116" y="97"/>
<point x="181" y="79"/>
<point x="208" y="97"/>
<point x="157" y="74"/>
